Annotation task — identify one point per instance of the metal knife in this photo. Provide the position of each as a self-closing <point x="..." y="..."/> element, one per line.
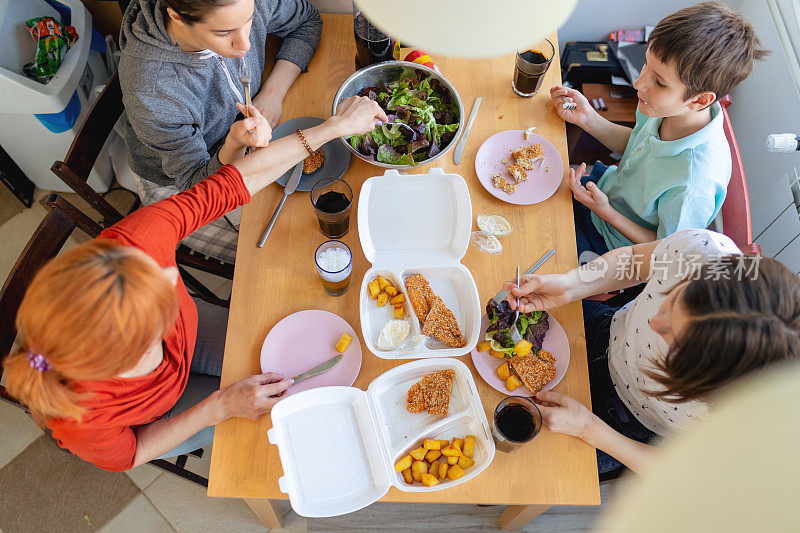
<point x="320" y="368"/>
<point x="291" y="185"/>
<point x="502" y="295"/>
<point x="463" y="140"/>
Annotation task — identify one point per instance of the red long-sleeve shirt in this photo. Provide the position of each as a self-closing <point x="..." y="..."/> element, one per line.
<point x="114" y="407"/>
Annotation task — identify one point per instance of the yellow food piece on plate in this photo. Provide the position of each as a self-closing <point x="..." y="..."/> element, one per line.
<point x="397" y="300"/>
<point x="513" y="382"/>
<point x="429" y="480"/>
<point x="457" y="443"/>
<point x="523" y="348"/>
<point x="374" y="289"/>
<point x="434" y="468"/>
<point x="494" y="353"/>
<point x="403" y="463"/>
<point x="482" y="346"/>
<point x="444" y="444"/>
<point x="419" y="453"/>
<point x="469" y="446"/>
<point x="407" y="477"/>
<point x="455" y="472"/>
<point x="391" y="290"/>
<point x="452" y="460"/>
<point x="399" y="313"/>
<point x="382" y="282"/>
<point x="503" y="371"/>
<point x="443" y="470"/>
<point x="382" y="299"/>
<point x="432" y="444"/>
<point x="465" y="462"/>
<point x="417" y="468"/>
<point x="432" y="455"/>
<point x="344" y="342"/>
<point x="451" y="452"/>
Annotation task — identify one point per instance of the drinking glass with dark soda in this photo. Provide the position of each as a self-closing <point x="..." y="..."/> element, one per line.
<point x="516" y="421"/>
<point x="332" y="199"/>
<point x="372" y="45"/>
<point x="530" y="68"/>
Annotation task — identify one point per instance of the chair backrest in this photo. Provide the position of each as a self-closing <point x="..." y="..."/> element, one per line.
<point x="75" y="169"/>
<point x="46" y="242"/>
<point x="736" y="207"/>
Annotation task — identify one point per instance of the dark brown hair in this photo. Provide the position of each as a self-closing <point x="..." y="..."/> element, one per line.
<point x="713" y="47"/>
<point x="744" y="315"/>
<point x="192" y="11"/>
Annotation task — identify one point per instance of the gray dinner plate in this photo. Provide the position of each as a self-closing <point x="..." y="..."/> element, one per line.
<point x="337" y="156"/>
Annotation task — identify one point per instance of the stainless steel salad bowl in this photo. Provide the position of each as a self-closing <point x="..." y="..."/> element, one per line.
<point x="387" y="72"/>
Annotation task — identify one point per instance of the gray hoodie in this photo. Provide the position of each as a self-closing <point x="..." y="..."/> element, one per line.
<point x="180" y="105"/>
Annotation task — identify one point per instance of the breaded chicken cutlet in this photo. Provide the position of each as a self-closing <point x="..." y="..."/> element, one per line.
<point x="432" y="393"/>
<point x="441" y="324"/>
<point x="420" y="295"/>
<point x="313" y="162"/>
<point x="535" y="369"/>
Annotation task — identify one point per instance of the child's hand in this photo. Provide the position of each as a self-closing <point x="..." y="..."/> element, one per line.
<point x="579" y="116"/>
<point x="591" y="196"/>
<point x="564" y="414"/>
<point x="253" y="131"/>
<point x="539" y="292"/>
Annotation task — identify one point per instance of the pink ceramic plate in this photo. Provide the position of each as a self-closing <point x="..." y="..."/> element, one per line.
<point x="305" y="339"/>
<point x="541" y="183"/>
<point x="555" y="342"/>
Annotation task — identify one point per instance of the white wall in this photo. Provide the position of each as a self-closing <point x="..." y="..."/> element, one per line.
<point x="593" y="20"/>
<point x="768" y="102"/>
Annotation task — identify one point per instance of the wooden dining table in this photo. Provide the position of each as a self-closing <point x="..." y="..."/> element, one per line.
<point x="279" y="279"/>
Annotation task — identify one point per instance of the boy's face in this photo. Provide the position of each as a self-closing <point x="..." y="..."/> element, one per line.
<point x="662" y="93"/>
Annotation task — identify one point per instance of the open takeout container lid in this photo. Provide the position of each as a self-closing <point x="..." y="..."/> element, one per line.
<point x="415" y="219"/>
<point x="338" y="445"/>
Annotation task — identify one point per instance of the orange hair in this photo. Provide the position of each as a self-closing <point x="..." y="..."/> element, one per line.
<point x="92" y="312"/>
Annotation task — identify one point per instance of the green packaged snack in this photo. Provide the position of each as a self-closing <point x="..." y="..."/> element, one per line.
<point x="52" y="41"/>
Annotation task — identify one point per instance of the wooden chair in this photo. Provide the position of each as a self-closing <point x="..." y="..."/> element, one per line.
<point x="46" y="242"/>
<point x="74" y="171"/>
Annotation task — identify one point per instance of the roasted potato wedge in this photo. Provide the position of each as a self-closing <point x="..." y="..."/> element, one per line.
<point x="504" y="371"/>
<point x="391" y="290"/>
<point x="343" y="343"/>
<point x="429" y="480"/>
<point x="513" y="382"/>
<point x="383" y="282"/>
<point x="450" y="451"/>
<point x="374" y="289"/>
<point x="469" y="446"/>
<point x="455" y="472"/>
<point x="465" y="462"/>
<point x="457" y="443"/>
<point x="399" y="312"/>
<point x="397" y="300"/>
<point x="431" y="444"/>
<point x="443" y="470"/>
<point x="494" y="353"/>
<point x="444" y="444"/>
<point x="452" y="460"/>
<point x="417" y="468"/>
<point x="418" y="453"/>
<point x="483" y="346"/>
<point x="432" y="455"/>
<point x="404" y="463"/>
<point x="523" y="348"/>
<point x="383" y="298"/>
<point x="407" y="477"/>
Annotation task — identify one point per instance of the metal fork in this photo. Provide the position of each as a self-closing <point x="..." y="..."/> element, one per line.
<point x="406" y="126"/>
<point x="515" y="336"/>
<point x="245" y="79"/>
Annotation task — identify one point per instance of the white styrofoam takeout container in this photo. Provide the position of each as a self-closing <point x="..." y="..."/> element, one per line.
<point x="418" y="224"/>
<point x="338" y="445"/>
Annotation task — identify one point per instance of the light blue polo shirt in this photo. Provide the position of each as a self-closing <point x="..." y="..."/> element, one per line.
<point x="667" y="186"/>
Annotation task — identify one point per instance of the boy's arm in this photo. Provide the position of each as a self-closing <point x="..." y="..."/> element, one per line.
<point x="592" y="197"/>
<point x="611" y="135"/>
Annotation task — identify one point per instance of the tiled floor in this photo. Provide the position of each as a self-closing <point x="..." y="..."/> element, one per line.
<point x="158" y="501"/>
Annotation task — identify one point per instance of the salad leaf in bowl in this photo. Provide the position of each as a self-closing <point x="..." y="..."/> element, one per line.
<point x="531" y="326"/>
